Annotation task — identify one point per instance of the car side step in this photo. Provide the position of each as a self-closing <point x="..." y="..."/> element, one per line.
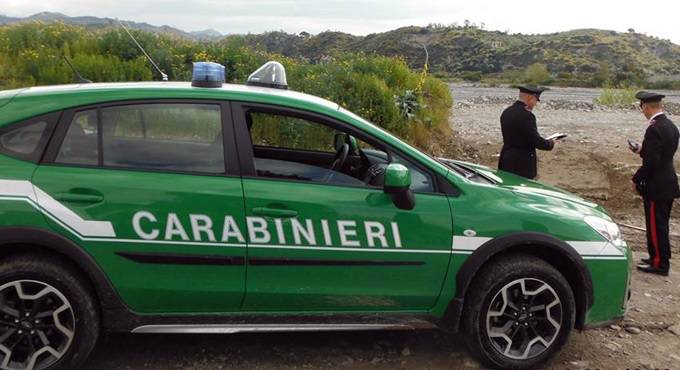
<point x="277" y="328"/>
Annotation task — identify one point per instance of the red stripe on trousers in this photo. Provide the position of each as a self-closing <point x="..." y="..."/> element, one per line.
<point x="655" y="240"/>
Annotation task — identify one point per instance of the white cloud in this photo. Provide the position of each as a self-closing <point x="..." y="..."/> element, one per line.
<point x="362" y="17"/>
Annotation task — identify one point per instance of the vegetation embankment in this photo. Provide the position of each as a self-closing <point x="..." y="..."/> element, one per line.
<point x="382" y="89"/>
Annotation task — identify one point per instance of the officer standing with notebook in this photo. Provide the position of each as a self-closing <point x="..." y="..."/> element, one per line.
<point x="657" y="181"/>
<point x="520" y="134"/>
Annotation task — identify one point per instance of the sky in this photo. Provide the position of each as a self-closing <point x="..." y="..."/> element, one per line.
<point x="658" y="18"/>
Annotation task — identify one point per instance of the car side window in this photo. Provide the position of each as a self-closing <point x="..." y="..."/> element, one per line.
<point x="80" y="143"/>
<point x="173" y="137"/>
<point x="293" y="148"/>
<point x="275" y="130"/>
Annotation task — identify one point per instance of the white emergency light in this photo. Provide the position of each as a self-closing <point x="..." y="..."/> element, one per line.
<point x="207" y="74"/>
<point x="271" y="74"/>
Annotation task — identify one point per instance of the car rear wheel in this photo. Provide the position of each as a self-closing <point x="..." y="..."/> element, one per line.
<point x="519" y="313"/>
<point x="47" y="317"/>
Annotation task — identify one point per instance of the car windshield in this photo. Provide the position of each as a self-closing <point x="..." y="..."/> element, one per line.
<point x="387" y="133"/>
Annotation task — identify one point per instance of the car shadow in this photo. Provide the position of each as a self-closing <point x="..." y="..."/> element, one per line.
<point x="357" y="349"/>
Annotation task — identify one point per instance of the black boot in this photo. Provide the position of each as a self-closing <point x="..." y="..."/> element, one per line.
<point x="653" y="270"/>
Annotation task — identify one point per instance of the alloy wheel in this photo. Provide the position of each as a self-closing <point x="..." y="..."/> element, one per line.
<point x="37" y="325"/>
<point x="524" y="318"/>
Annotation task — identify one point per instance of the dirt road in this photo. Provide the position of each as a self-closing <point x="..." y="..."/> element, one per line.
<point x="594" y="163"/>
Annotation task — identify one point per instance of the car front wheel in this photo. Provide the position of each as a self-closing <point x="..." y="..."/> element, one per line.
<point x="519" y="313"/>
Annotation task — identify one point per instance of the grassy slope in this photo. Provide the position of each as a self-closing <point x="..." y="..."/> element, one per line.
<point x="457" y="49"/>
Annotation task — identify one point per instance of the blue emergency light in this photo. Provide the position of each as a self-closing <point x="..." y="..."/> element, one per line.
<point x="208" y="74"/>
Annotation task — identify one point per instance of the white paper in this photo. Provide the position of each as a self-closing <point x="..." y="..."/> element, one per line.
<point x="557" y="136"/>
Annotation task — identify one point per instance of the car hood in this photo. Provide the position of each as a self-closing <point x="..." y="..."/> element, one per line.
<point x="522" y="186"/>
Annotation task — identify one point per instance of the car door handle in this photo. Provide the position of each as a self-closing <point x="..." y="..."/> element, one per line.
<point x="274" y="212"/>
<point x="78" y="198"/>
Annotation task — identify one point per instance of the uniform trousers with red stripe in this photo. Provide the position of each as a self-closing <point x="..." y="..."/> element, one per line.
<point x="657" y="215"/>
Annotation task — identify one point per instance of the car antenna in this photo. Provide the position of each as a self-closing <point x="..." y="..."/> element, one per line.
<point x="163" y="75"/>
<point x="81" y="79"/>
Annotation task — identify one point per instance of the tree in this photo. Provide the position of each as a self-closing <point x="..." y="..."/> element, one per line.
<point x="537" y="73"/>
<point x="603" y="76"/>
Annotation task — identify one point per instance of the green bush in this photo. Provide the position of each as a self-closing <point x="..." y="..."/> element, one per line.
<point x="384" y="90"/>
<point x="616" y="97"/>
<point x="471" y="76"/>
<point x="537" y="74"/>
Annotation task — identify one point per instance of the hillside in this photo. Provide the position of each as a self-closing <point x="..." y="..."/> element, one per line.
<point x="590" y="56"/>
<point x="587" y="57"/>
<point x="107" y="23"/>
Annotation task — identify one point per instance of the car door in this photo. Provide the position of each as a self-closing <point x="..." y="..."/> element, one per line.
<point x="324" y="240"/>
<point x="146" y="188"/>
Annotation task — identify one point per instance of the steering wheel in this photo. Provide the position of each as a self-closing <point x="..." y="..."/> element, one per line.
<point x="340" y="158"/>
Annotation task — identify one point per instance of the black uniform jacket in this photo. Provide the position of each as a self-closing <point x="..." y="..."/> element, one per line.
<point x="520" y="141"/>
<point x="656" y="179"/>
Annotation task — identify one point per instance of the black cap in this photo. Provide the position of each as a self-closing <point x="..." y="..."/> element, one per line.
<point x="649" y="97"/>
<point x="532" y="89"/>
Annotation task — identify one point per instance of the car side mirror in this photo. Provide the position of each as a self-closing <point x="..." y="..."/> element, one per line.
<point x="398" y="186"/>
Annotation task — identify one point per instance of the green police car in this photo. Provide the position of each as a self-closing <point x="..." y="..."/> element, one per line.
<point x="163" y="207"/>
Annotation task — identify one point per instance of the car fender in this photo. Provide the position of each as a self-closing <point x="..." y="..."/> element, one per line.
<point x="554" y="251"/>
<point x="20" y="239"/>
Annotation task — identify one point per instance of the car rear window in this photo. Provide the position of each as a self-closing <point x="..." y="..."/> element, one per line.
<point x="176" y="137"/>
<point x="26" y="140"/>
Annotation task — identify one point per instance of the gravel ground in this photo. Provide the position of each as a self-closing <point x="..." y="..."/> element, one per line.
<point x="594" y="162"/>
<point x="468" y="91"/>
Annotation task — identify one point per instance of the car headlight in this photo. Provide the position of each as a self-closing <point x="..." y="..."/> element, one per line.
<point x="608" y="229"/>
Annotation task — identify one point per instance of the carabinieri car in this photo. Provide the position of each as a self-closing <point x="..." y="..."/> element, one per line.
<point x="163" y="207"/>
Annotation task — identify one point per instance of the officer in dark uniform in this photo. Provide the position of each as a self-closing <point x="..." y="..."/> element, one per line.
<point x="656" y="181"/>
<point x="520" y="134"/>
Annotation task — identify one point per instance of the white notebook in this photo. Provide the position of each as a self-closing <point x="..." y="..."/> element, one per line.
<point x="557" y="136"/>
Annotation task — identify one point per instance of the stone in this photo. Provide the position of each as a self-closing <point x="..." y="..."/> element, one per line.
<point x="675" y="329"/>
<point x="633" y="330"/>
<point x="580" y="364"/>
<point x="406" y="352"/>
<point x="612" y="346"/>
<point x="614" y="327"/>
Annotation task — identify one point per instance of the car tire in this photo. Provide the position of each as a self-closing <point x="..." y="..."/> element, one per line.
<point x="519" y="312"/>
<point x="48" y="319"/>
